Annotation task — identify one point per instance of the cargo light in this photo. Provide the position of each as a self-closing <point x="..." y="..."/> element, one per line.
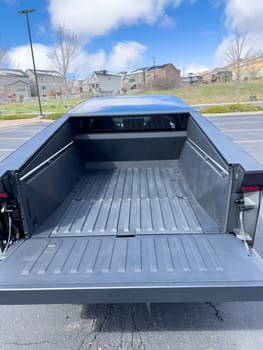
<point x="250" y="188"/>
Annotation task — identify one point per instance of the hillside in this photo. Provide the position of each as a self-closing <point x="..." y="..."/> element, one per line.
<point x="252" y="68"/>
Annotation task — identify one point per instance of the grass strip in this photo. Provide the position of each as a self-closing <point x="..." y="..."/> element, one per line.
<point x="231" y="108"/>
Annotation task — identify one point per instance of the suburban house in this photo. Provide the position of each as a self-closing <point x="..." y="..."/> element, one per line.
<point x="102" y="82"/>
<point x="75" y="87"/>
<point x="191" y="79"/>
<point x="50" y="83"/>
<point x="218" y="75"/>
<point x="160" y="76"/>
<point x="134" y="79"/>
<point x="163" y="76"/>
<point x="14" y="85"/>
<point x="221" y="75"/>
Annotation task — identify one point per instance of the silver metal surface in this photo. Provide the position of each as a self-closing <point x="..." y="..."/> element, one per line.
<point x="46" y="161"/>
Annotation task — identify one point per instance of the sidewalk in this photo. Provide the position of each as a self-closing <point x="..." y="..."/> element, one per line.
<point x="18" y="122"/>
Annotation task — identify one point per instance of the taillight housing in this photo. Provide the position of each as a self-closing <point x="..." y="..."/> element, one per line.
<point x="3" y="195"/>
<point x="253" y="188"/>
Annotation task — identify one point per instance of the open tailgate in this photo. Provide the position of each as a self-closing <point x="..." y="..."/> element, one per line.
<point x="167" y="268"/>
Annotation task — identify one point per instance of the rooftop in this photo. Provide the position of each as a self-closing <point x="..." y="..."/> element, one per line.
<point x="12" y="72"/>
<point x="45" y="72"/>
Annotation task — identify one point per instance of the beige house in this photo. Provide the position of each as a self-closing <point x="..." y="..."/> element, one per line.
<point x="14" y="85"/>
<point x="133" y="80"/>
<point x="102" y="83"/>
<point x="50" y="83"/>
<point x="161" y="76"/>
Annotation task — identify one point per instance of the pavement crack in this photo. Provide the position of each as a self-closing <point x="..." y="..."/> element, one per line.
<point x="44" y="342"/>
<point x="100" y="328"/>
<point x="216" y="311"/>
<point x="141" y="344"/>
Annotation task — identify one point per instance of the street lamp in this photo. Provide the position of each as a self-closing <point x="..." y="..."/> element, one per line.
<point x="26" y="12"/>
<point x="154" y="67"/>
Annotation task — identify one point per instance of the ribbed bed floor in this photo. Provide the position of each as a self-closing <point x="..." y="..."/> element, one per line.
<point x="125" y="201"/>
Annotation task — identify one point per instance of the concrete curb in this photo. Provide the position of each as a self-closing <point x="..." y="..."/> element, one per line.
<point x="232" y="114"/>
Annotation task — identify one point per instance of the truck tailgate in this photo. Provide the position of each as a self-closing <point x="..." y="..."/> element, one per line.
<point x="167" y="268"/>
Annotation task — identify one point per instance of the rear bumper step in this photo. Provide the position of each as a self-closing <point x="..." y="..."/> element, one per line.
<point x="167" y="268"/>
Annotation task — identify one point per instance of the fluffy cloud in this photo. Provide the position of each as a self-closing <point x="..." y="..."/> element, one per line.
<point x="123" y="56"/>
<point x="90" y="18"/>
<point x="243" y="17"/>
<point x="195" y="68"/>
<point x="20" y="57"/>
<point x="167" y="22"/>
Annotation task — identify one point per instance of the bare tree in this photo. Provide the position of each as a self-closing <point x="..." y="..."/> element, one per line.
<point x="3" y="53"/>
<point x="235" y="55"/>
<point x="64" y="53"/>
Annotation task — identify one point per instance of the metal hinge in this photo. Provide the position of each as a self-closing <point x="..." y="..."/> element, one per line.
<point x="5" y="210"/>
<point x="244" y="204"/>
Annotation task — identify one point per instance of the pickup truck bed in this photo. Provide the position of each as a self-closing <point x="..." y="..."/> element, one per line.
<point x="126" y="201"/>
<point x="130" y="199"/>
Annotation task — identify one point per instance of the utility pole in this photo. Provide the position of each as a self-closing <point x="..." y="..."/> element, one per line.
<point x="26" y="12"/>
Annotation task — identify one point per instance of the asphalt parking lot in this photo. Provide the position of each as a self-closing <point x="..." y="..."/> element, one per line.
<point x="158" y="326"/>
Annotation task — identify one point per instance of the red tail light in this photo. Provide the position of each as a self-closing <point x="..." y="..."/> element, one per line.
<point x="3" y="195"/>
<point x="250" y="188"/>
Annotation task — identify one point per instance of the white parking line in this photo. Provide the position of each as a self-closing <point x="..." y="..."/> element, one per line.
<point x="249" y="141"/>
<point x="242" y="130"/>
<point x="237" y="122"/>
<point x="14" y="138"/>
<point x="7" y="149"/>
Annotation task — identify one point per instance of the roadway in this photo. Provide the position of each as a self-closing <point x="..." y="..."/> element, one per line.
<point x="206" y="326"/>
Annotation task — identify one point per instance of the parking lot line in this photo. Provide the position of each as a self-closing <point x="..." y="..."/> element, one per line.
<point x="249" y="141"/>
<point x="242" y="130"/>
<point x="238" y="122"/>
<point x="7" y="149"/>
<point x="14" y="138"/>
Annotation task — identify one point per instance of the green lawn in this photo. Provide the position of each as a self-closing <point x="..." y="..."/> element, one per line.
<point x="231" y="108"/>
<point x="200" y="94"/>
<point x="216" y="93"/>
<point x="54" y="106"/>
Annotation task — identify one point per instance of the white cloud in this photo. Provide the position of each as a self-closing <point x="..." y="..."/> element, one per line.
<point x="87" y="63"/>
<point x="20" y="57"/>
<point x="90" y="18"/>
<point x="195" y="68"/>
<point x="243" y="17"/>
<point x="125" y="55"/>
<point x="167" y="22"/>
<point x="220" y="55"/>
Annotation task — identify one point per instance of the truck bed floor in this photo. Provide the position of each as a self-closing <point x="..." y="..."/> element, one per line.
<point x="124" y="202"/>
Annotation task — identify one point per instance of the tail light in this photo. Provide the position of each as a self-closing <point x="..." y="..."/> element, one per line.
<point x="250" y="188"/>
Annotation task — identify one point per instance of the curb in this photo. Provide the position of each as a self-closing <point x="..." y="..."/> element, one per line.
<point x="232" y="114"/>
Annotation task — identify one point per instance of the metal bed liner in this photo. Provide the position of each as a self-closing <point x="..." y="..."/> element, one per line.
<point x="126" y="202"/>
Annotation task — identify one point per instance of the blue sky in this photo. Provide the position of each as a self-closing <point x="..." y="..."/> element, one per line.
<point x="125" y="34"/>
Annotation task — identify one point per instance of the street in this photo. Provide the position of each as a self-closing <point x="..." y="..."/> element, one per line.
<point x="206" y="326"/>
